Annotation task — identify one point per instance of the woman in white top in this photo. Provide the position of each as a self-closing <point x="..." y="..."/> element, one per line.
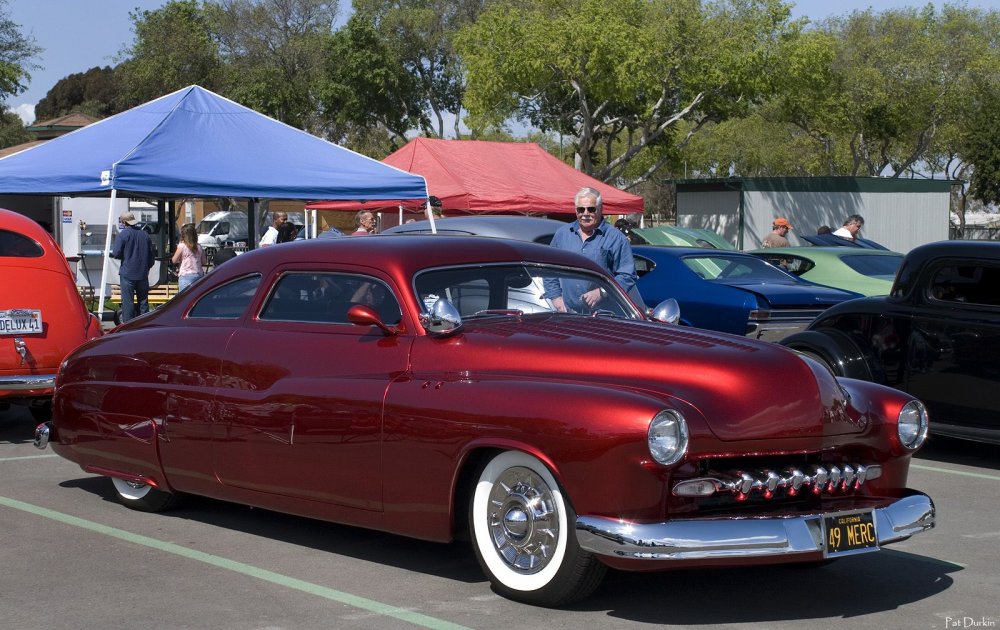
<point x="190" y="256"/>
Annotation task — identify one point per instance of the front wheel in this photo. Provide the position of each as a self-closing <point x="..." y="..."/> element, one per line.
<point x="143" y="497"/>
<point x="523" y="534"/>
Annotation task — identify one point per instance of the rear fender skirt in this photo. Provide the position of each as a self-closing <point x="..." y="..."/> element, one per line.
<point x="835" y="348"/>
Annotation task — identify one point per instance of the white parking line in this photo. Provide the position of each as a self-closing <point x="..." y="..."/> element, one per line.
<point x="955" y="472"/>
<point x="356" y="601"/>
<point x="15" y="459"/>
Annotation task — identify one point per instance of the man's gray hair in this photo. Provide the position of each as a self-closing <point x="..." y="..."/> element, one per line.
<point x="587" y="191"/>
<point x="360" y="215"/>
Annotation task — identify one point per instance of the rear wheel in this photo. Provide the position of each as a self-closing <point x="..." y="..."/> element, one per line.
<point x="143" y="497"/>
<point x="523" y="534"/>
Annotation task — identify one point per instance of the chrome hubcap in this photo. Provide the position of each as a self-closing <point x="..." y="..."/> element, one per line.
<point x="523" y="520"/>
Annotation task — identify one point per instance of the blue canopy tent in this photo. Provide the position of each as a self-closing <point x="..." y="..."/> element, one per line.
<point x="195" y="143"/>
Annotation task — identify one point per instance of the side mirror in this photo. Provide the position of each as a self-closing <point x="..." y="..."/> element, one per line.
<point x="444" y="318"/>
<point x="668" y="311"/>
<point x="364" y="315"/>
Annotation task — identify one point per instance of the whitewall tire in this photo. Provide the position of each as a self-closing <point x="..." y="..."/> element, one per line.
<point x="523" y="534"/>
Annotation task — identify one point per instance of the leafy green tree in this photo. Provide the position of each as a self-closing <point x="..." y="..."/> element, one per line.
<point x="173" y="49"/>
<point x="12" y="130"/>
<point x="16" y="52"/>
<point x="93" y="92"/>
<point x="981" y="145"/>
<point x="273" y="52"/>
<point x="420" y="32"/>
<point x="618" y="75"/>
<point x="877" y="92"/>
<point x="367" y="93"/>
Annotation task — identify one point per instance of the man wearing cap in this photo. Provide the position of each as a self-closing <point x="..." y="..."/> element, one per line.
<point x="135" y="249"/>
<point x="777" y="237"/>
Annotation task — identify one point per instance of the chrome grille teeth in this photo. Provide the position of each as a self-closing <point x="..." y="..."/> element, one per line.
<point x="741" y="484"/>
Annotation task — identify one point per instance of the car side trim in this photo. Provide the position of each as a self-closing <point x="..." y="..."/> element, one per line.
<point x="697" y="539"/>
<point x="23" y="383"/>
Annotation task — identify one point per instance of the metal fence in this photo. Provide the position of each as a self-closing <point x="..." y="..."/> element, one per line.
<point x="975" y="233"/>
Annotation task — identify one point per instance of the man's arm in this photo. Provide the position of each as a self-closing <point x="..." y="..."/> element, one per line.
<point x="119" y="245"/>
<point x="624" y="264"/>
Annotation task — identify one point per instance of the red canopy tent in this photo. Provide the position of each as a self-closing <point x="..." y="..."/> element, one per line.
<point x="475" y="176"/>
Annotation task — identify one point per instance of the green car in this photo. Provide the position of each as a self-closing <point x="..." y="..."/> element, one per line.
<point x="671" y="235"/>
<point x="866" y="271"/>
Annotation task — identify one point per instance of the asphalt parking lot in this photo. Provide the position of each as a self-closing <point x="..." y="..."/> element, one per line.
<point x="72" y="557"/>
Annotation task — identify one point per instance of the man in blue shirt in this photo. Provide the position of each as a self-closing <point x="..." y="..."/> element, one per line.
<point x="135" y="249"/>
<point x="591" y="236"/>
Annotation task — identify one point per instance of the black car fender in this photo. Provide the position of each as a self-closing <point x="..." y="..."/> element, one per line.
<point x="834" y="348"/>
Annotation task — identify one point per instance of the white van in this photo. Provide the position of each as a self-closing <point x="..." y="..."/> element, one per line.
<point x="219" y="229"/>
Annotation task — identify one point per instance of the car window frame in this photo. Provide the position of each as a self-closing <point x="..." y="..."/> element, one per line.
<point x="285" y="274"/>
<point x="246" y="308"/>
<point x="927" y="284"/>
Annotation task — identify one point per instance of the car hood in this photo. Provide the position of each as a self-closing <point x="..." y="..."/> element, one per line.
<point x="795" y="295"/>
<point x="734" y="382"/>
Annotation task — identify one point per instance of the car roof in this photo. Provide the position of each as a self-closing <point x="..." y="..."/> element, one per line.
<point x="400" y="255"/>
<point x="535" y="229"/>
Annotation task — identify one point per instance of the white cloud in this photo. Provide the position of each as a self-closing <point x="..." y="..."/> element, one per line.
<point x="26" y="111"/>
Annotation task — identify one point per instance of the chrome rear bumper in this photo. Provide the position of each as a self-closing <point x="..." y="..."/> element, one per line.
<point x="23" y="383"/>
<point x="741" y="537"/>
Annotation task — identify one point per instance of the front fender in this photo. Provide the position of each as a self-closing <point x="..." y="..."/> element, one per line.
<point x="834" y="348"/>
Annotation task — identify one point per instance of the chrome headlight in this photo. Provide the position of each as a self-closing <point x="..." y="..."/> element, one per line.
<point x="667" y="437"/>
<point x="912" y="425"/>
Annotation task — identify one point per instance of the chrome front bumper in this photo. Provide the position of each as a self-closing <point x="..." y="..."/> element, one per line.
<point x="24" y="383"/>
<point x="741" y="537"/>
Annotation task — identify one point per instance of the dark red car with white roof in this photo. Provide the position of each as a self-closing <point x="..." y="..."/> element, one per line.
<point x="425" y="386"/>
<point x="42" y="316"/>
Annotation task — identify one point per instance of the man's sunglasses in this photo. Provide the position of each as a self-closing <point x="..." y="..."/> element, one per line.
<point x="582" y="209"/>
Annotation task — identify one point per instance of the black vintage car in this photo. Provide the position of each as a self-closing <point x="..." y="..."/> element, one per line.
<point x="936" y="336"/>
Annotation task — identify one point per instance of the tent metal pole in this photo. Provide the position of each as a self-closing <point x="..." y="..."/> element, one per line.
<point x="107" y="255"/>
<point x="430" y="217"/>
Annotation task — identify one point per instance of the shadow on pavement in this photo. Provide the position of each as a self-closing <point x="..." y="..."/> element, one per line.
<point x="849" y="587"/>
<point x="963" y="452"/>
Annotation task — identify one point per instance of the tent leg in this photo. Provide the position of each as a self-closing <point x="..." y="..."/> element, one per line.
<point x="107" y="255"/>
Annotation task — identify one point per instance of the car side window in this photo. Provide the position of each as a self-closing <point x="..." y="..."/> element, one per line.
<point x="326" y="298"/>
<point x="967" y="283"/>
<point x="643" y="265"/>
<point x="792" y="264"/>
<point x="229" y="301"/>
<point x="16" y="245"/>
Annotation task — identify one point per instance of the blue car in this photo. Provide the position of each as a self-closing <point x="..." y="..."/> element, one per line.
<point x="731" y="291"/>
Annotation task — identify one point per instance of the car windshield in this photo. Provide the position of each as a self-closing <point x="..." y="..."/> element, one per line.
<point x="207" y="227"/>
<point x="881" y="267"/>
<point x="513" y="289"/>
<point x="742" y="268"/>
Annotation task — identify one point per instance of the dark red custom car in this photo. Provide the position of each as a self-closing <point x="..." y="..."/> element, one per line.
<point x="428" y="389"/>
<point x="42" y="316"/>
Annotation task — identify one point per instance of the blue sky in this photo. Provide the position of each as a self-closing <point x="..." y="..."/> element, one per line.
<point x="80" y="34"/>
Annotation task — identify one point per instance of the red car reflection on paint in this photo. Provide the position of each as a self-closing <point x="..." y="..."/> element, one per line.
<point x="424" y="386"/>
<point x="42" y="316"/>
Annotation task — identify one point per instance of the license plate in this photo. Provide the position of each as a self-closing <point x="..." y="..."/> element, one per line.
<point x="21" y="321"/>
<point x="850" y="532"/>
